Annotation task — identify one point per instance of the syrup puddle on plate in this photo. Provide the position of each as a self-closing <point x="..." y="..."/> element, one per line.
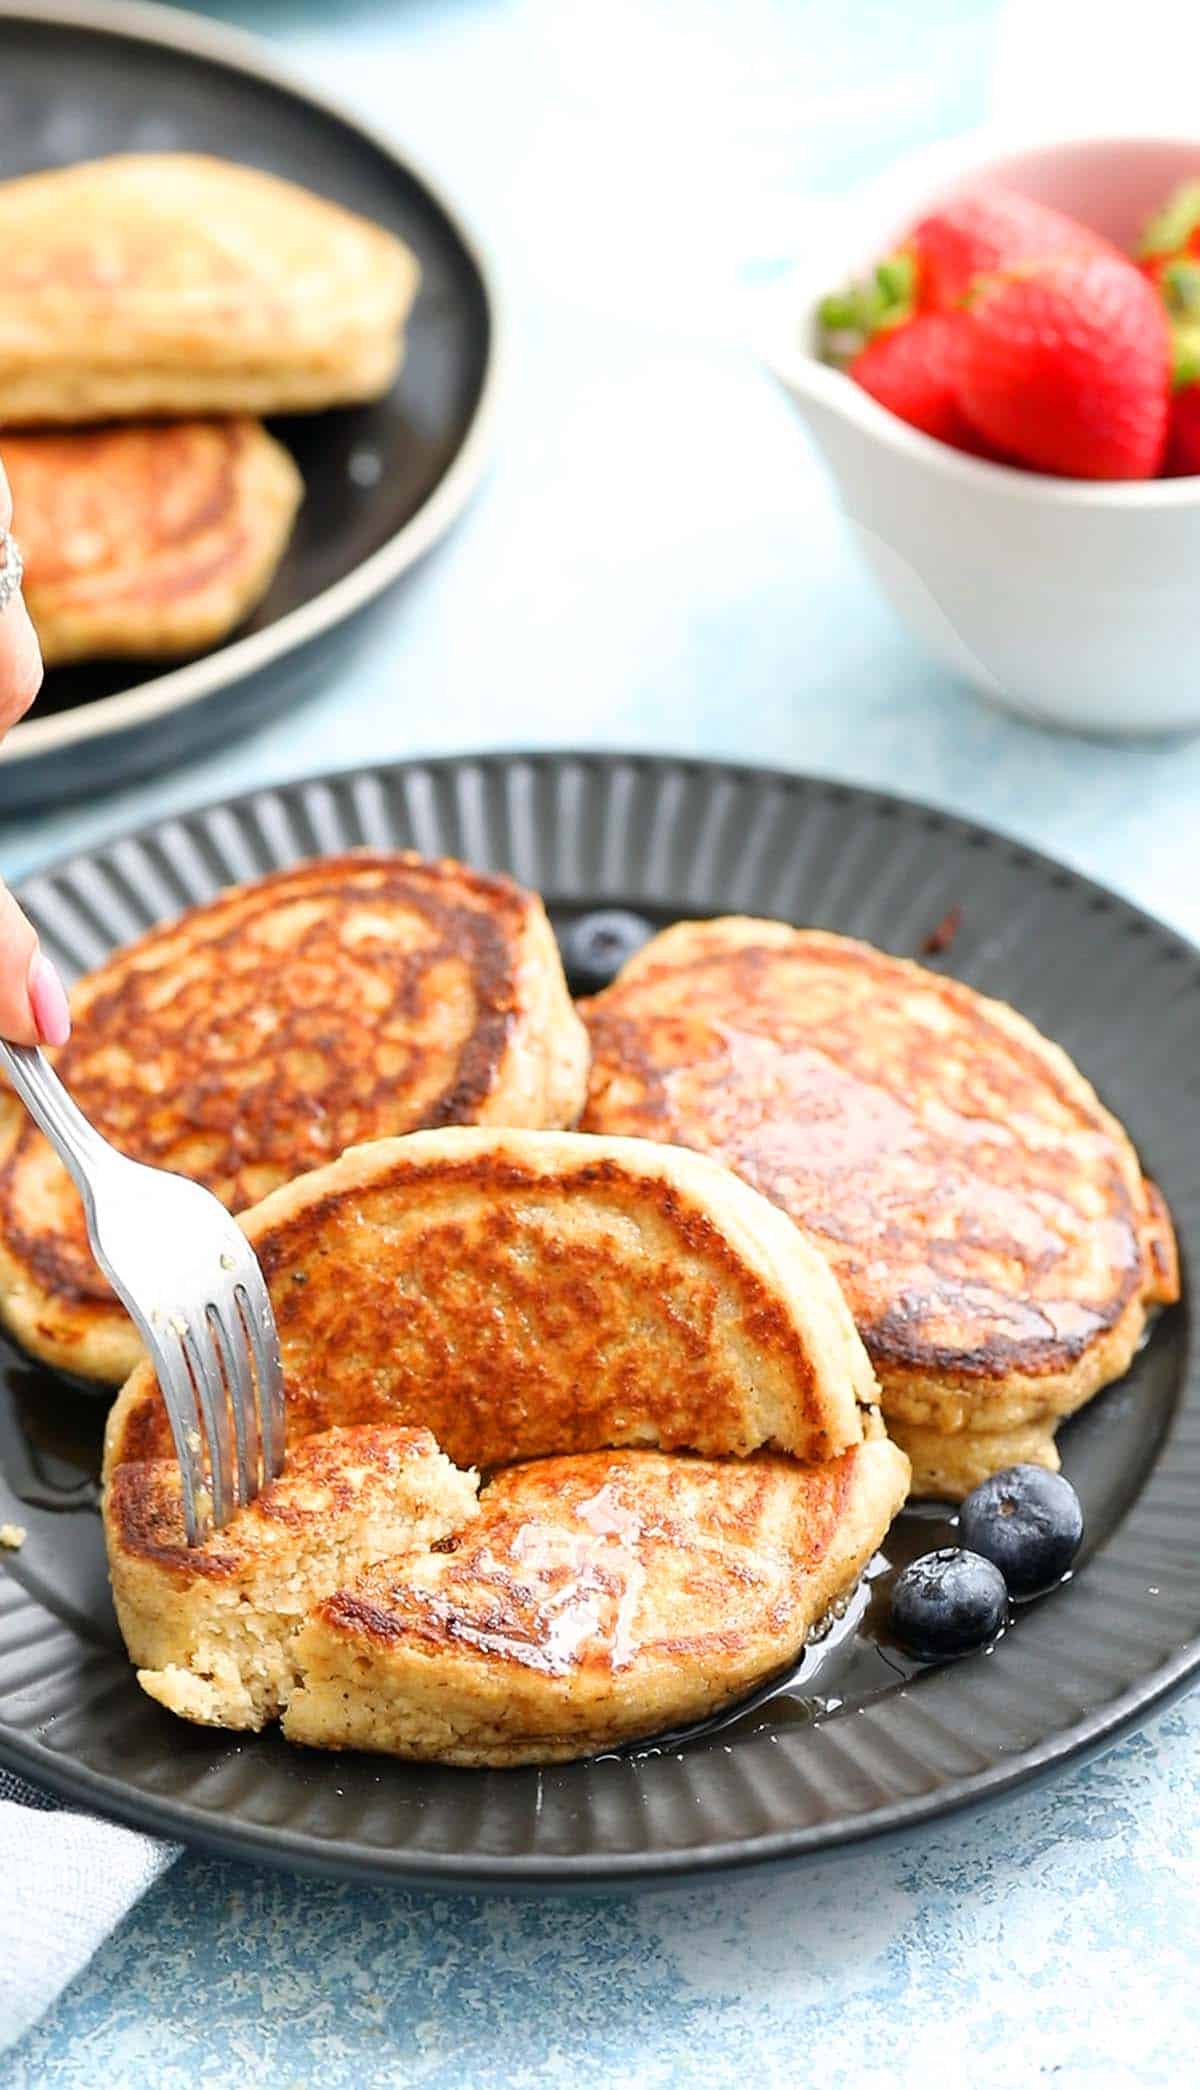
<point x="51" y="1439"/>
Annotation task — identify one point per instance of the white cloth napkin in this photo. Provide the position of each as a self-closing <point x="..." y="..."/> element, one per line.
<point x="66" y="1881"/>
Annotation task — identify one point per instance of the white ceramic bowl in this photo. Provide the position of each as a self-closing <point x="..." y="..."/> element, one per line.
<point x="1074" y="602"/>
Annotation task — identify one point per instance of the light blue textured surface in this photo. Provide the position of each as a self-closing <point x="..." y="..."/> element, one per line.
<point x="656" y="562"/>
<point x="1049" y="1940"/>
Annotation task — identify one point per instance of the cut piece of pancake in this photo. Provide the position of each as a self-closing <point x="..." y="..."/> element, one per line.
<point x="211" y="1628"/>
<point x="174" y="283"/>
<point x="593" y="1600"/>
<point x="258" y="1036"/>
<point x="152" y="540"/>
<point x="986" y="1216"/>
<point x="521" y="1293"/>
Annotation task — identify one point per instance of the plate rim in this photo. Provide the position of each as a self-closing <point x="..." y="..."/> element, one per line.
<point x="1097" y="1731"/>
<point x="469" y="1872"/>
<point x="178" y="688"/>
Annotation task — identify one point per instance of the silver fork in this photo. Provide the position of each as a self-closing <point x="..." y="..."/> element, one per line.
<point x="190" y="1281"/>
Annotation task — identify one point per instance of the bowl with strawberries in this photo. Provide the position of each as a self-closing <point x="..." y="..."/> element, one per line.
<point x="998" y="356"/>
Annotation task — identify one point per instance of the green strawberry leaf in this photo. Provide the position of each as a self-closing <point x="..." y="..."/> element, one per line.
<point x="896" y="281"/>
<point x="849" y="318"/>
<point x="1185" y="356"/>
<point x="1181" y="288"/>
<point x="1172" y="227"/>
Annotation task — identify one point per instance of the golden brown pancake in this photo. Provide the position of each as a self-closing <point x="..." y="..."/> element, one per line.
<point x="173" y="283"/>
<point x="211" y="1627"/>
<point x="986" y="1216"/>
<point x="151" y="540"/>
<point x="515" y="1293"/>
<point x="521" y="1293"/>
<point x="593" y="1600"/>
<point x="258" y="1036"/>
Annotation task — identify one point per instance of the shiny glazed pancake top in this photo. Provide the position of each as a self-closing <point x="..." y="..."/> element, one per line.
<point x="986" y="1216"/>
<point x="593" y="1600"/>
<point x="259" y="1035"/>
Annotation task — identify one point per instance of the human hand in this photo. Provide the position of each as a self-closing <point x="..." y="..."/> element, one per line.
<point x="33" y="1002"/>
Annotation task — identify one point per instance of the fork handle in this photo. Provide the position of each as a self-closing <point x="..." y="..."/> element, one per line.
<point x="76" y="1142"/>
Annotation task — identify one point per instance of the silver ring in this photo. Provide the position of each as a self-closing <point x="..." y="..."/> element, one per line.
<point x="12" y="572"/>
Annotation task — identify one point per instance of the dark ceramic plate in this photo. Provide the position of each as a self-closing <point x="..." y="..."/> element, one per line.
<point x="78" y="80"/>
<point x="855" y="1743"/>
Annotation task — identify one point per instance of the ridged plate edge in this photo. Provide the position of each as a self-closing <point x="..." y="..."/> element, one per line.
<point x="709" y="837"/>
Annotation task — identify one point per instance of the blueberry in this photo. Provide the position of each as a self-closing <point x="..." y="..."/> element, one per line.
<point x="596" y="946"/>
<point x="948" y="1603"/>
<point x="1029" y="1522"/>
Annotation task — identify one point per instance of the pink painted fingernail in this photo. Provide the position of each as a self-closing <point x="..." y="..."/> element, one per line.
<point x="48" y="1000"/>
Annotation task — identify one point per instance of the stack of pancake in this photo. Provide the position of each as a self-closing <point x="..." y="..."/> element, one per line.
<point x="584" y="1439"/>
<point x="141" y="296"/>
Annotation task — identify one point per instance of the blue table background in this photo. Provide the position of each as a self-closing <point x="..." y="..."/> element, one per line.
<point x="656" y="562"/>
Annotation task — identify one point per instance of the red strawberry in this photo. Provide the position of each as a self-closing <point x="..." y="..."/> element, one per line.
<point x="1177" y="280"/>
<point x="913" y="370"/>
<point x="985" y="230"/>
<point x="1183" y="443"/>
<point x="1171" y="260"/>
<point x="1067" y="367"/>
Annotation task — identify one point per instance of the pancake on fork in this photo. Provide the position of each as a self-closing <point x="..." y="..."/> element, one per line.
<point x="259" y="1035"/>
<point x="519" y="1295"/>
<point x="151" y="540"/>
<point x="175" y="283"/>
<point x="987" y="1217"/>
<point x="211" y="1628"/>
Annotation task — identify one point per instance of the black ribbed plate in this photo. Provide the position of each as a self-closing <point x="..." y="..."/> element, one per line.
<point x="854" y="1745"/>
<point x="80" y="79"/>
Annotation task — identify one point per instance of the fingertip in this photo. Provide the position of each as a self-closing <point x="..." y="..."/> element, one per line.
<point x="48" y="1001"/>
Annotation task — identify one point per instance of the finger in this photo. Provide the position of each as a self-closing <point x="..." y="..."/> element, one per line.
<point x="20" y="655"/>
<point x="33" y="1001"/>
<point x="20" y="664"/>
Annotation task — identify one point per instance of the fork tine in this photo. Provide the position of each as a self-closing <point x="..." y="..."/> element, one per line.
<point x="183" y="1414"/>
<point x="258" y="1321"/>
<point x="204" y="1363"/>
<point x="202" y="1359"/>
<point x="240" y="1380"/>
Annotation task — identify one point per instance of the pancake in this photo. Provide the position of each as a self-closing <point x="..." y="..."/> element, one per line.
<point x="152" y="540"/>
<point x="258" y="1036"/>
<point x="593" y="1600"/>
<point x="174" y="283"/>
<point x="519" y="1295"/>
<point x="211" y="1628"/>
<point x="947" y="1464"/>
<point x="525" y="1293"/>
<point x="986" y="1216"/>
